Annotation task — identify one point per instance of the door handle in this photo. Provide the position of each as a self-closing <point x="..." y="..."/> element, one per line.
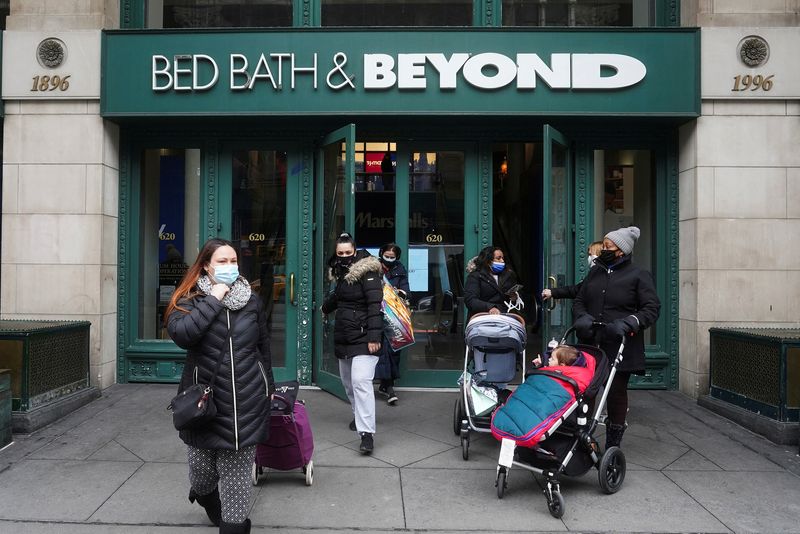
<point x="291" y="289"/>
<point x="553" y="284"/>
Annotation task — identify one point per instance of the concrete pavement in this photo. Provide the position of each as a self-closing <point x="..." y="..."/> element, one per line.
<point x="117" y="466"/>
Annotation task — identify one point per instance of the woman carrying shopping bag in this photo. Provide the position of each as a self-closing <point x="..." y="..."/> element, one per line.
<point x="388" y="368"/>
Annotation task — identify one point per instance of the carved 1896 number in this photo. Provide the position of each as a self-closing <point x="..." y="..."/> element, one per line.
<point x="50" y="83"/>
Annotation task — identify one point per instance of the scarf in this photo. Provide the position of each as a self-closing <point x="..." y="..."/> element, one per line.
<point x="235" y="299"/>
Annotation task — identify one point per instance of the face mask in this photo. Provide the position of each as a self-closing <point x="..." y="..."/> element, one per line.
<point x="607" y="257"/>
<point x="388" y="260"/>
<point x="590" y="260"/>
<point x="226" y="274"/>
<point x="345" y="261"/>
<point x="498" y="266"/>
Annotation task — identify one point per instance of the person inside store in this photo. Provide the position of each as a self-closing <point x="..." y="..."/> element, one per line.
<point x="617" y="299"/>
<point x="356" y="299"/>
<point x="491" y="285"/>
<point x="221" y="323"/>
<point x="569" y="292"/>
<point x="388" y="368"/>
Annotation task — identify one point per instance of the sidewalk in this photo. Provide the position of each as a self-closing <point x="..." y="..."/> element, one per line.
<point x="117" y="466"/>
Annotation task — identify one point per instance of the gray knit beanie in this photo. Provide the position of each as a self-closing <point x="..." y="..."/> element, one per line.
<point x="624" y="238"/>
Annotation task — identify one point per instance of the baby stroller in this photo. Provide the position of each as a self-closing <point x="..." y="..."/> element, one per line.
<point x="568" y="445"/>
<point x="290" y="444"/>
<point x="495" y="343"/>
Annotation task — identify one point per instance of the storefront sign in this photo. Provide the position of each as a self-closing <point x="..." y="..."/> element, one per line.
<point x="750" y="63"/>
<point x="364" y="72"/>
<point x="52" y="66"/>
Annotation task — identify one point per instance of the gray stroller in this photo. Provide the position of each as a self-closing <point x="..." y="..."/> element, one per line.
<point x="495" y="345"/>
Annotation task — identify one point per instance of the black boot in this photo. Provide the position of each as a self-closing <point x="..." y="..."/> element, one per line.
<point x="235" y="528"/>
<point x="210" y="502"/>
<point x="614" y="435"/>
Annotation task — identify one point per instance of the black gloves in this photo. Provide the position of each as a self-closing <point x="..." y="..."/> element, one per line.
<point x="583" y="327"/>
<point x="622" y="327"/>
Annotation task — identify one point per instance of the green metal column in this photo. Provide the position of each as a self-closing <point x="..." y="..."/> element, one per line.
<point x="305" y="263"/>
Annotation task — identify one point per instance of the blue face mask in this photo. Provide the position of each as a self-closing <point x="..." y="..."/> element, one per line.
<point x="226" y="274"/>
<point x="498" y="266"/>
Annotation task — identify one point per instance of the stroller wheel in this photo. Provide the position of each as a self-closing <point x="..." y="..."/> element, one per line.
<point x="309" y="471"/>
<point x="465" y="447"/>
<point x="501" y="482"/>
<point x="611" y="472"/>
<point x="458" y="416"/>
<point x="255" y="473"/>
<point x="556" y="505"/>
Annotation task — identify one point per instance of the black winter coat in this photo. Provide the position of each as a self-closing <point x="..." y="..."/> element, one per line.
<point x="397" y="275"/>
<point x="616" y="293"/>
<point x="482" y="293"/>
<point x="357" y="300"/>
<point x="244" y="383"/>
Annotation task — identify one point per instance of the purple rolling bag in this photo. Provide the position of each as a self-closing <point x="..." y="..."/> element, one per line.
<point x="290" y="444"/>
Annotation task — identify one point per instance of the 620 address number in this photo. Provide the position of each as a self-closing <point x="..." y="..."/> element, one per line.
<point x="50" y="83"/>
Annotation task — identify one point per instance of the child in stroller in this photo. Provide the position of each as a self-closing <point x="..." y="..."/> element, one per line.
<point x="545" y="426"/>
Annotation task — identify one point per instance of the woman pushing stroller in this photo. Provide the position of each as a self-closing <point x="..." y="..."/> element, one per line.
<point x="621" y="296"/>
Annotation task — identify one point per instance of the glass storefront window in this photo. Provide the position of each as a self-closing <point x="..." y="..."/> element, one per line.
<point x="578" y="12"/>
<point x="624" y="196"/>
<point x="376" y="169"/>
<point x="258" y="217"/>
<point x="417" y="13"/>
<point x="169" y="231"/>
<point x="435" y="259"/>
<point x="219" y="13"/>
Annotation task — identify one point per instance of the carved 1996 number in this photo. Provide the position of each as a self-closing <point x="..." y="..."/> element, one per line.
<point x="753" y="83"/>
<point x="50" y="83"/>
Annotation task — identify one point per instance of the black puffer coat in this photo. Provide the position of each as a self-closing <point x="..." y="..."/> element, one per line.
<point x="617" y="293"/>
<point x="244" y="382"/>
<point x="482" y="293"/>
<point x="357" y="300"/>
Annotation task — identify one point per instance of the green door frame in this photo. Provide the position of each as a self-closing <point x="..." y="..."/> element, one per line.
<point x="325" y="380"/>
<point x="551" y="137"/>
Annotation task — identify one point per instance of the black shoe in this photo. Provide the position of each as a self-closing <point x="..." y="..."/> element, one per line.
<point x="210" y="502"/>
<point x="383" y="392"/>
<point x="614" y="435"/>
<point x="352" y="425"/>
<point x="391" y="397"/>
<point x="366" y="443"/>
<point x="235" y="528"/>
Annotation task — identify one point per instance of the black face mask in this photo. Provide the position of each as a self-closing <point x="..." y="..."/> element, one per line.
<point x="607" y="257"/>
<point x="345" y="261"/>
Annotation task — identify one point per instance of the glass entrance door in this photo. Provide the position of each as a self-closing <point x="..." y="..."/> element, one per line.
<point x="557" y="230"/>
<point x="334" y="214"/>
<point x="255" y="188"/>
<point x="432" y="199"/>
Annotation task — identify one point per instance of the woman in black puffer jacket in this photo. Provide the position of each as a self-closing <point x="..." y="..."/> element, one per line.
<point x="214" y="316"/>
<point x="623" y="297"/>
<point x="359" y="329"/>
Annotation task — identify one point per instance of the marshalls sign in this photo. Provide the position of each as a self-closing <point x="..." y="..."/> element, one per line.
<point x="331" y="72"/>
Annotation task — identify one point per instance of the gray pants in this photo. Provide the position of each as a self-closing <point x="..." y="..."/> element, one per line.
<point x="357" y="374"/>
<point x="231" y="470"/>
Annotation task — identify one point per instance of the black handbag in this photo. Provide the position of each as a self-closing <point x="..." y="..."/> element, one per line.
<point x="194" y="406"/>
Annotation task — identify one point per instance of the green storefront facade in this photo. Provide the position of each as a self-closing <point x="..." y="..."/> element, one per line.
<point x="538" y="140"/>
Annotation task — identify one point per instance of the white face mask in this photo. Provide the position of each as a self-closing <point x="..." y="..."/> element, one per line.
<point x="590" y="260"/>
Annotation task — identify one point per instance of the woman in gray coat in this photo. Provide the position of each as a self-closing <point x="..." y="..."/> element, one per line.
<point x="215" y="316"/>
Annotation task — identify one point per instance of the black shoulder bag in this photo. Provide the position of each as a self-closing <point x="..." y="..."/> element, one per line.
<point x="194" y="406"/>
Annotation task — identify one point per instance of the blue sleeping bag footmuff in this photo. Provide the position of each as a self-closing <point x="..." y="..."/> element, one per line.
<point x="531" y="410"/>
